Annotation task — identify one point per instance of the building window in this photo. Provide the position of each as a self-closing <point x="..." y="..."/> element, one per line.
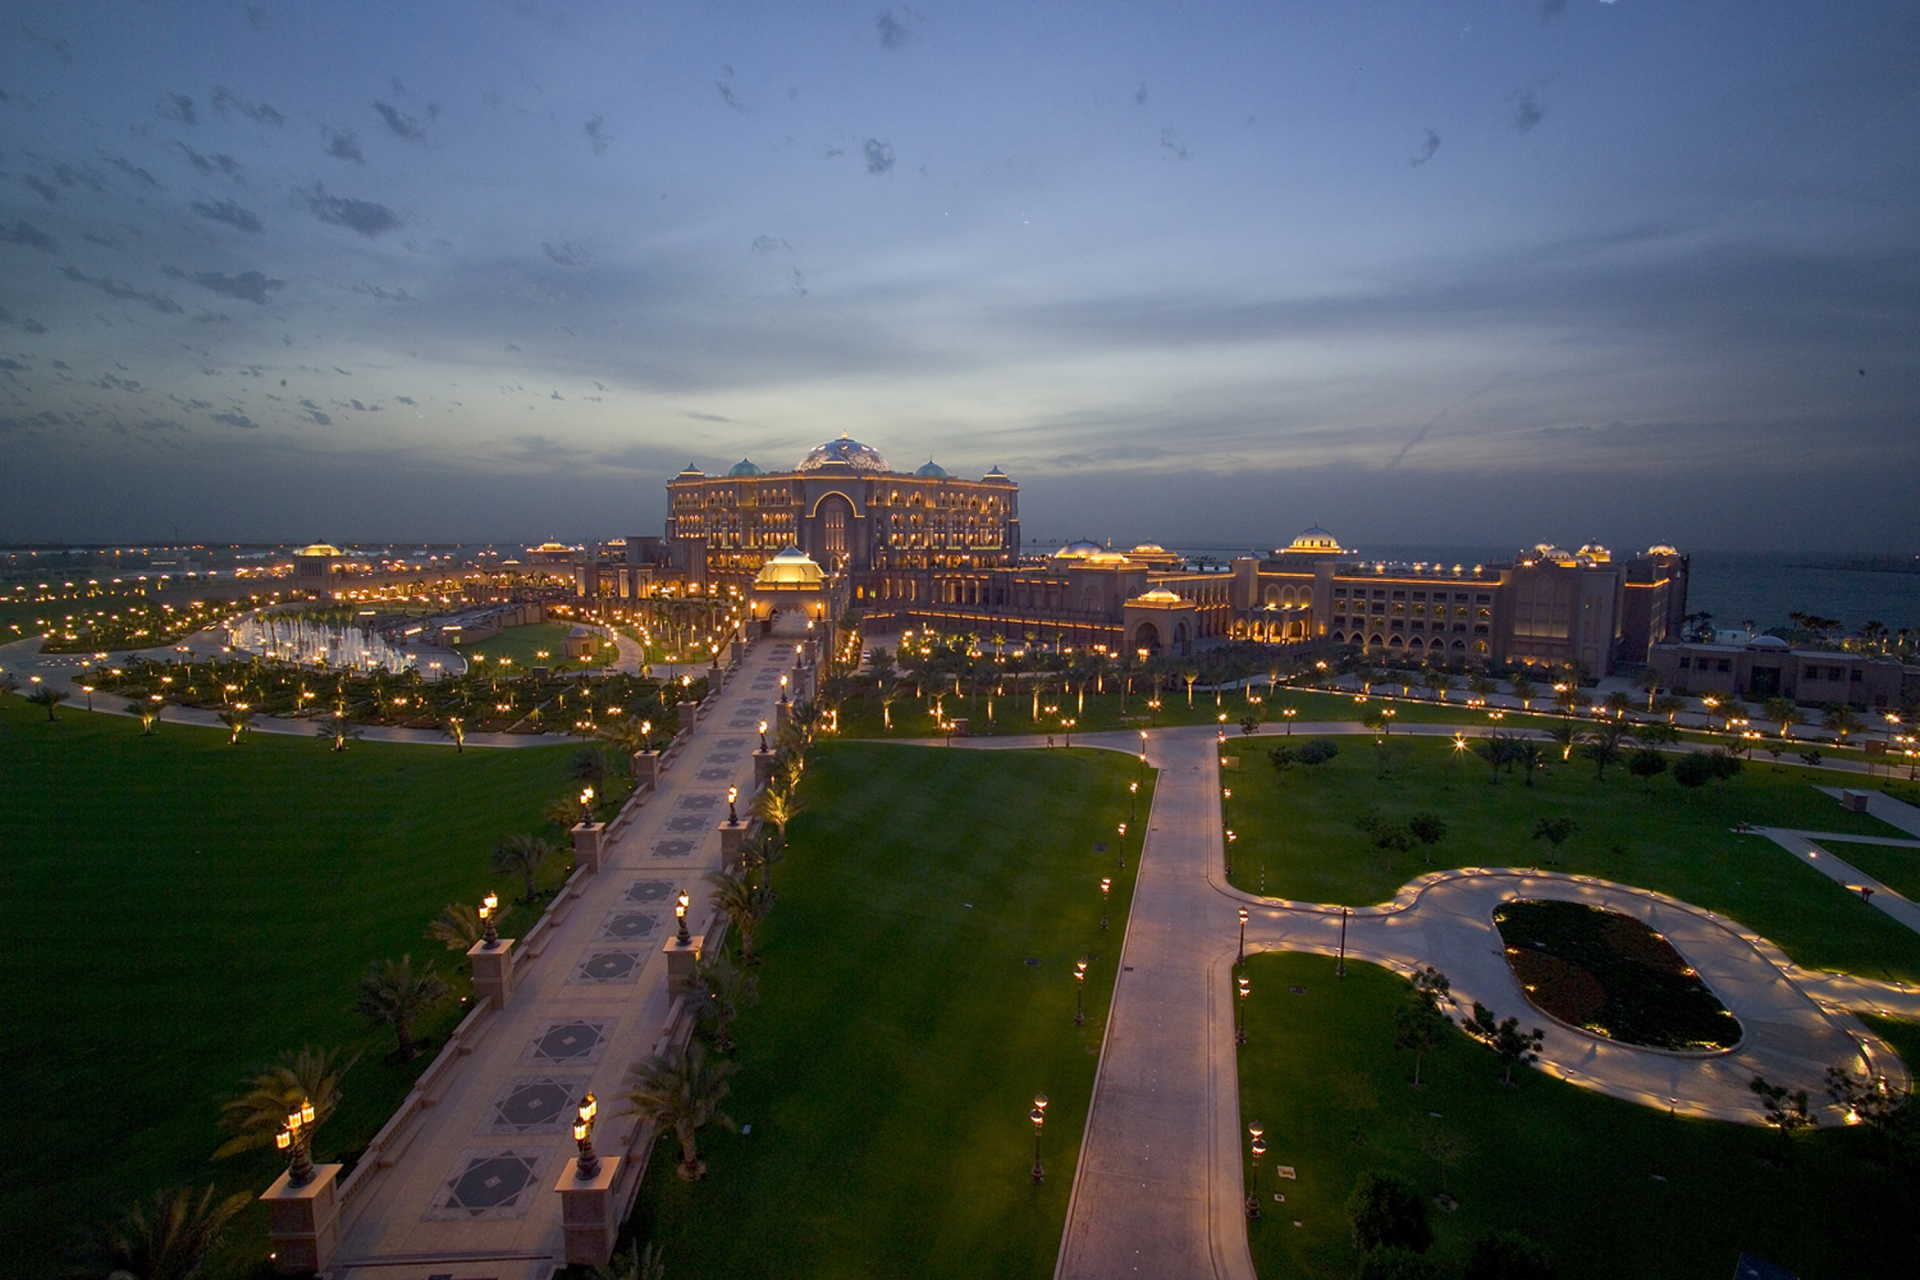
<point x="1723" y="664"/>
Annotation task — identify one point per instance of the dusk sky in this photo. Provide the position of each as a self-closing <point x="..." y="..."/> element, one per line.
<point x="1422" y="272"/>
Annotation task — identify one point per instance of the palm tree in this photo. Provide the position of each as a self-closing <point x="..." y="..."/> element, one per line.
<point x="149" y="713"/>
<point x="777" y="806"/>
<point x="48" y="697"/>
<point x="458" y="926"/>
<point x="1190" y="674"/>
<point x="1842" y="721"/>
<point x="745" y="903"/>
<point x="1617" y="703"/>
<point x="522" y="855"/>
<point x="761" y="854"/>
<point x="1525" y="690"/>
<point x="456" y="728"/>
<point x="1648" y="682"/>
<point x="1564" y="736"/>
<point x="1603" y="746"/>
<point x="682" y="1092"/>
<point x="255" y="1117"/>
<point x="393" y="995"/>
<point x="1528" y="754"/>
<point x="170" y="1237"/>
<point x="337" y="730"/>
<point x="633" y="1263"/>
<point x="239" y="719"/>
<point x="1783" y="712"/>
<point x="1668" y="705"/>
<point x="727" y="991"/>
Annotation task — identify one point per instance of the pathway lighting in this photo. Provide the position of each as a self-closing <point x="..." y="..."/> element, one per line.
<point x="1039" y="1117"/>
<point x="588" y="1164"/>
<point x="1240" y="1022"/>
<point x="586" y="805"/>
<point x="783" y="691"/>
<point x="733" y="815"/>
<point x="1079" y="985"/>
<point x="1133" y="794"/>
<point x="1259" y="1148"/>
<point x="1123" y="831"/>
<point x="297" y="1140"/>
<point x="1340" y="970"/>
<point x="89" y="690"/>
<point x="1106" y="887"/>
<point x="1242" y="958"/>
<point x="489" y="917"/>
<point x="683" y="938"/>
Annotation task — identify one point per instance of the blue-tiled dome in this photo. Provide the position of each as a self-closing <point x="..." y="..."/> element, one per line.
<point x="845" y="452"/>
<point x="932" y="471"/>
<point x="743" y="468"/>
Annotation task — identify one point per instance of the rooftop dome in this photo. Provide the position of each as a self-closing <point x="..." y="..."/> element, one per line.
<point x="743" y="468"/>
<point x="792" y="568"/>
<point x="845" y="452"/>
<point x="1159" y="595"/>
<point x="932" y="471"/>
<point x="1315" y="541"/>
<point x="1662" y="549"/>
<point x="551" y="545"/>
<point x="1768" y="642"/>
<point x="1150" y="549"/>
<point x="996" y="476"/>
<point x="319" y="549"/>
<point x="1595" y="552"/>
<point x="691" y="470"/>
<point x="1080" y="550"/>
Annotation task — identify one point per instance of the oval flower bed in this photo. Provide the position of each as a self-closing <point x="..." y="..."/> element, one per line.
<point x="1612" y="976"/>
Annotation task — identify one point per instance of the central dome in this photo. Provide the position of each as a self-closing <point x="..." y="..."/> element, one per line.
<point x="844" y="452"/>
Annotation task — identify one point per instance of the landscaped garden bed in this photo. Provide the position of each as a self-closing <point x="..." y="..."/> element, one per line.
<point x="1612" y="976"/>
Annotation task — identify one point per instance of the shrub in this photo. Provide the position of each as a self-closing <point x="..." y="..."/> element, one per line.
<point x="1508" y="1255"/>
<point x="1397" y="1264"/>
<point x="1387" y="1213"/>
<point x="1319" y="751"/>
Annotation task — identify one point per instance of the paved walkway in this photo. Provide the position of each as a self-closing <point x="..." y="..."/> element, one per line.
<point x="464" y="1186"/>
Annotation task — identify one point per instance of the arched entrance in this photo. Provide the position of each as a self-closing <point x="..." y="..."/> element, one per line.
<point x="1147" y="636"/>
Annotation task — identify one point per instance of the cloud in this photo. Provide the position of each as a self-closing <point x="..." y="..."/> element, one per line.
<point x="406" y="400"/>
<point x="703" y="417"/>
<point x="894" y="35"/>
<point x="219" y="162"/>
<point x="763" y="245"/>
<point x="566" y="254"/>
<point x="379" y="294"/>
<point x="1427" y="148"/>
<point x="248" y="286"/>
<point x="225" y="101"/>
<point x="132" y="170"/>
<point x="1552" y="10"/>
<point x="799" y="283"/>
<point x="160" y="424"/>
<point x="342" y="145"/>
<point x="1140" y="95"/>
<point x="726" y="94"/>
<point x="27" y="234"/>
<point x="68" y="176"/>
<point x="56" y="43"/>
<point x="41" y="188"/>
<point x="124" y="292"/>
<point x="256" y="17"/>
<point x="401" y="126"/>
<point x="597" y="135"/>
<point x="364" y="408"/>
<point x="237" y="420"/>
<point x="1528" y="112"/>
<point x="228" y="212"/>
<point x="1170" y="143"/>
<point x="105" y="242"/>
<point x="364" y="216"/>
<point x="879" y="155"/>
<point x="178" y="107"/>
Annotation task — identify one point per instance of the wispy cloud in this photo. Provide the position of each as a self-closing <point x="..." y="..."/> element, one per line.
<point x="400" y="126"/>
<point x="566" y="254"/>
<point x="879" y="155"/>
<point x="894" y="35"/>
<point x="1427" y="148"/>
<point x="597" y="136"/>
<point x="1527" y="112"/>
<point x="177" y="107"/>
<point x="225" y="102"/>
<point x="228" y="212"/>
<point x="248" y="286"/>
<point x="342" y="145"/>
<point x="369" y="219"/>
<point x="23" y="232"/>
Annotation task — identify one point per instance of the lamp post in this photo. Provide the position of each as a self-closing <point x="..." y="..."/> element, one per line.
<point x="1133" y="799"/>
<point x="1226" y="806"/>
<point x="1240" y="1022"/>
<point x="1259" y="1148"/>
<point x="1143" y="753"/>
<point x="733" y="814"/>
<point x="1079" y="985"/>
<point x="1242" y="957"/>
<point x="586" y="805"/>
<point x="489" y="908"/>
<point x="680" y="913"/>
<point x="1106" y="886"/>
<point x="1290" y="713"/>
<point x="783" y="691"/>
<point x="297" y="1140"/>
<point x="1039" y="1117"/>
<point x="763" y="735"/>
<point x="587" y="1166"/>
<point x="1340" y="970"/>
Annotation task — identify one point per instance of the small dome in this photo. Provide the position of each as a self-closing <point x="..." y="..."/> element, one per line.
<point x="1662" y="549"/>
<point x="1080" y="550"/>
<point x="319" y="549"/>
<point x="1315" y="541"/>
<point x="744" y="468"/>
<point x="1149" y="549"/>
<point x="1595" y="552"/>
<point x="846" y="452"/>
<point x="790" y="569"/>
<point x="996" y="476"/>
<point x="932" y="471"/>
<point x="1768" y="642"/>
<point x="551" y="546"/>
<point x="1159" y="595"/>
<point x="691" y="472"/>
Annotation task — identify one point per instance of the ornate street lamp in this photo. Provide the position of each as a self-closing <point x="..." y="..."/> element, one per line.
<point x="1240" y="1022"/>
<point x="1133" y="797"/>
<point x="297" y="1140"/>
<point x="783" y="691"/>
<point x="680" y="913"/>
<point x="763" y="735"/>
<point x="489" y="909"/>
<point x="1106" y="886"/>
<point x="1259" y="1149"/>
<point x="586" y="805"/>
<point x="733" y="815"/>
<point x="588" y="1165"/>
<point x="1290" y="713"/>
<point x="1242" y="958"/>
<point x="1079" y="985"/>
<point x="1039" y="1117"/>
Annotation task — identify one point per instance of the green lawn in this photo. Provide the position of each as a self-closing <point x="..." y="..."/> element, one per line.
<point x="902" y="1033"/>
<point x="191" y="909"/>
<point x="1299" y="838"/>
<point x="523" y="646"/>
<point x="1612" y="1188"/>
<point x="1896" y="868"/>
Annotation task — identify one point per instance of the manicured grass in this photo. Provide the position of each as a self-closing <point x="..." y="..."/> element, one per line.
<point x="1612" y="975"/>
<point x="524" y="644"/>
<point x="1572" y="1169"/>
<point x="902" y="1032"/>
<point x="1896" y="868"/>
<point x="1299" y="831"/>
<point x="186" y="910"/>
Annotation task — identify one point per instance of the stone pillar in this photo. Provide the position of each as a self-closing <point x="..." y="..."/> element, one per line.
<point x="733" y="843"/>
<point x="303" y="1223"/>
<point x="646" y="768"/>
<point x="763" y="768"/>
<point x="588" y="1216"/>
<point x="687" y="713"/>
<point x="589" y="843"/>
<point x="492" y="971"/>
<point x="681" y="959"/>
<point x="782" y="712"/>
